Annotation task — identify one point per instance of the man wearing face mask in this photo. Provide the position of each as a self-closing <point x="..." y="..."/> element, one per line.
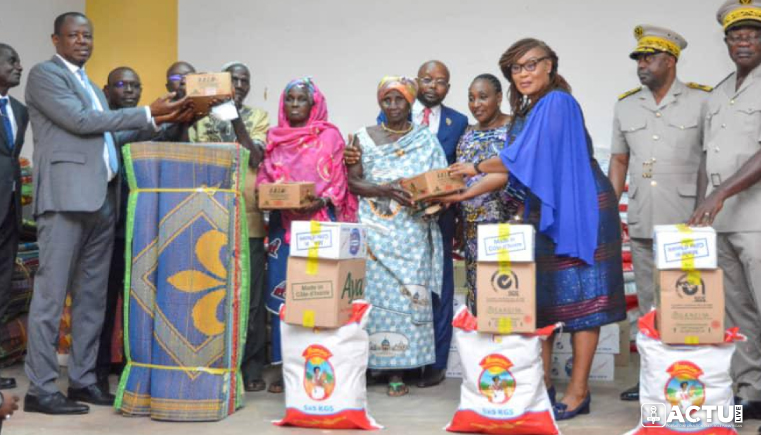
<point x="657" y="139"/>
<point x="729" y="191"/>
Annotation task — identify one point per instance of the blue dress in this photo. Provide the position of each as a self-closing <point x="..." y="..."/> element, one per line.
<point x="574" y="208"/>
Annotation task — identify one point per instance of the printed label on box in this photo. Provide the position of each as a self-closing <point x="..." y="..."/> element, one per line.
<point x="312" y="290"/>
<point x="697" y="248"/>
<point x="514" y="243"/>
<point x="323" y="239"/>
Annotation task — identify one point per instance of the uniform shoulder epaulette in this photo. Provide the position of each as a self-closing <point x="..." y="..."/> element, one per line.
<point x="629" y="93"/>
<point x="704" y="88"/>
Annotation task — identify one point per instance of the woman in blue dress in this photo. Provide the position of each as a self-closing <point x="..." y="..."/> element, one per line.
<point x="548" y="155"/>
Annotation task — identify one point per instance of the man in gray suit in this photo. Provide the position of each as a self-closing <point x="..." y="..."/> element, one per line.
<point x="14" y="119"/>
<point x="76" y="167"/>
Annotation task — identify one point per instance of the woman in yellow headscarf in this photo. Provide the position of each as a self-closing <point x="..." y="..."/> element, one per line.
<point x="405" y="255"/>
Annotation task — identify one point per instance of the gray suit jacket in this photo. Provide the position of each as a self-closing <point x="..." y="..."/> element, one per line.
<point x="69" y="171"/>
<point x="10" y="171"/>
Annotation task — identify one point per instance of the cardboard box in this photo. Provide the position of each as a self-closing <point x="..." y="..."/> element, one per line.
<point x="603" y="367"/>
<point x="201" y="89"/>
<point x="690" y="312"/>
<point x="433" y="183"/>
<point x="674" y="247"/>
<point x="454" y="365"/>
<point x="332" y="240"/>
<point x="319" y="293"/>
<point x="622" y="358"/>
<point x="285" y="196"/>
<point x="517" y="240"/>
<point x="609" y="342"/>
<point x="506" y="300"/>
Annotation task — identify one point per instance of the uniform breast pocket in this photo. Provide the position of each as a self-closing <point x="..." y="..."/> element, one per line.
<point x="750" y="119"/>
<point x="685" y="131"/>
<point x="633" y="128"/>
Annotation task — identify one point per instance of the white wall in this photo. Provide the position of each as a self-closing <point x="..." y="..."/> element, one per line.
<point x="26" y="25"/>
<point x="348" y="45"/>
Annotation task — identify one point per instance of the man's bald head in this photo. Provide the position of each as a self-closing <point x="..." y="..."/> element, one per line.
<point x="433" y="83"/>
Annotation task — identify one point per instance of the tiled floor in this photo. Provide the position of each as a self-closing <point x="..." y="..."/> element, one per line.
<point x="421" y="412"/>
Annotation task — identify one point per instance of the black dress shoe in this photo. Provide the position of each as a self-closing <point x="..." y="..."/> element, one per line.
<point x="431" y="378"/>
<point x="631" y="394"/>
<point x="93" y="394"/>
<point x="751" y="408"/>
<point x="54" y="404"/>
<point x="7" y="383"/>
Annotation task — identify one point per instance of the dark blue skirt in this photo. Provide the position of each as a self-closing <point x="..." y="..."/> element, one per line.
<point x="582" y="296"/>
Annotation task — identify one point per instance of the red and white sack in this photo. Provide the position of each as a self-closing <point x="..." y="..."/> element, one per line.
<point x="503" y="390"/>
<point x="324" y="374"/>
<point x="683" y="376"/>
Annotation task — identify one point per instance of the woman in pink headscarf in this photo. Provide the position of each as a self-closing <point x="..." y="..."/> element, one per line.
<point x="303" y="147"/>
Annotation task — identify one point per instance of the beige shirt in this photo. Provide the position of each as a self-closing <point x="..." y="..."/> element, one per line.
<point x="213" y="130"/>
<point x="733" y="136"/>
<point x="664" y="143"/>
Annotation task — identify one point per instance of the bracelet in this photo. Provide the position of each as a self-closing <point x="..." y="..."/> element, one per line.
<point x="478" y="171"/>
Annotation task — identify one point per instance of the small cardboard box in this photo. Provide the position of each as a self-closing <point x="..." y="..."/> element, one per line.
<point x="603" y="367"/>
<point x="506" y="299"/>
<point x="690" y="312"/>
<point x="517" y="240"/>
<point x="673" y="247"/>
<point x="433" y="183"/>
<point x="285" y="196"/>
<point x="319" y="293"/>
<point x="332" y="240"/>
<point x="201" y="89"/>
<point x="609" y="342"/>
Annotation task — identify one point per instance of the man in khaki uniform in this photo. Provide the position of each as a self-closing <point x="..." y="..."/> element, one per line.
<point x="730" y="174"/>
<point x="657" y="138"/>
<point x="250" y="130"/>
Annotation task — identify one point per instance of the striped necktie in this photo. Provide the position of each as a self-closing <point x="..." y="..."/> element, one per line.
<point x="7" y="122"/>
<point x="113" y="163"/>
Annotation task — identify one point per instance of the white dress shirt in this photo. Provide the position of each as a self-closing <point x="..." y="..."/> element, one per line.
<point x="75" y="70"/>
<point x="433" y="120"/>
<point x="11" y="117"/>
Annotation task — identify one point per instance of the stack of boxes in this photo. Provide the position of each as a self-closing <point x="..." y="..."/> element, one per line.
<point x="506" y="279"/>
<point x="689" y="289"/>
<point x="326" y="272"/>
<point x="612" y="351"/>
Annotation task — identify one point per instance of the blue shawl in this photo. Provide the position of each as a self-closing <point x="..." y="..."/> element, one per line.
<point x="551" y="158"/>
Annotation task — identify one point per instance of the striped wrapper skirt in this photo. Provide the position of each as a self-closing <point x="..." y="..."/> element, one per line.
<point x="186" y="286"/>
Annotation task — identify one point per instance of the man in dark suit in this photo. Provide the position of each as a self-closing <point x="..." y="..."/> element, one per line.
<point x="12" y="130"/>
<point x="448" y="125"/>
<point x="76" y="176"/>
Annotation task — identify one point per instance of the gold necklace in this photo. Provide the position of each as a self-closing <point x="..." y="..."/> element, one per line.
<point x="391" y="130"/>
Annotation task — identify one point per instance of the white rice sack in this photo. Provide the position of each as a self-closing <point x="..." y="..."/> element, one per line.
<point x="324" y="374"/>
<point x="503" y="390"/>
<point x="674" y="378"/>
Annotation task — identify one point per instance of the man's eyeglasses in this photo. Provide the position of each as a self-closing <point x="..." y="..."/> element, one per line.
<point x="122" y="84"/>
<point x="529" y="66"/>
<point x="176" y="78"/>
<point x="438" y="82"/>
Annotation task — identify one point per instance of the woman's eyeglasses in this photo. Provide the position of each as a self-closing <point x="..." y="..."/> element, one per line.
<point x="529" y="66"/>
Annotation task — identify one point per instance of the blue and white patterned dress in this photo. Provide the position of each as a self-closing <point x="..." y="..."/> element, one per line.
<point x="405" y="261"/>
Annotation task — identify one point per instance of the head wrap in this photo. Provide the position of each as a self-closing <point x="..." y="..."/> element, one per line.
<point x="304" y="83"/>
<point x="405" y="85"/>
<point x="313" y="153"/>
